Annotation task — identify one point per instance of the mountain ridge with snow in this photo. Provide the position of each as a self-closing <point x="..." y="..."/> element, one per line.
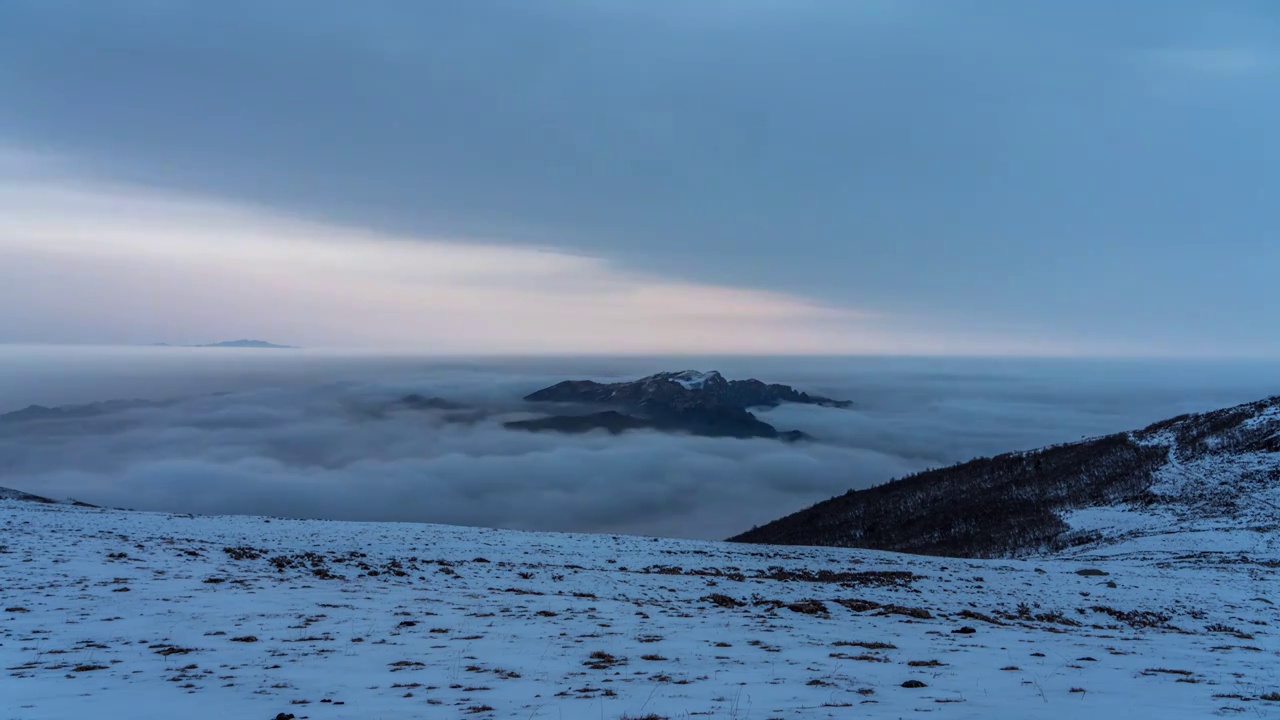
<point x="1195" y="472"/>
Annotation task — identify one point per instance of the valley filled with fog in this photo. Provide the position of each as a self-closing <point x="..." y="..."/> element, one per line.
<point x="311" y="433"/>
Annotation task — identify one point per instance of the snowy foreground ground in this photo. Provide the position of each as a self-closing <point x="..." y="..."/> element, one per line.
<point x="110" y="614"/>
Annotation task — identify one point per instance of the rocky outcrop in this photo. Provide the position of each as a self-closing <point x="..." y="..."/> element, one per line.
<point x="681" y="388"/>
<point x="698" y="403"/>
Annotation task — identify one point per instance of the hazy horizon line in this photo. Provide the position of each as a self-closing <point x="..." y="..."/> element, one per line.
<point x="427" y="352"/>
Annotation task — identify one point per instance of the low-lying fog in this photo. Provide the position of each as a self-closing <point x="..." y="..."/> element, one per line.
<point x="302" y="433"/>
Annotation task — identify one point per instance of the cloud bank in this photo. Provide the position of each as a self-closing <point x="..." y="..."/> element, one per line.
<point x="325" y="445"/>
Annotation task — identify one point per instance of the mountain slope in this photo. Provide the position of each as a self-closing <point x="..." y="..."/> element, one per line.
<point x="20" y="496"/>
<point x="11" y="494"/>
<point x="1189" y="473"/>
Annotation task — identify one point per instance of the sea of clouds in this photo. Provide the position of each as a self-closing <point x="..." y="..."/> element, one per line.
<point x="310" y="433"/>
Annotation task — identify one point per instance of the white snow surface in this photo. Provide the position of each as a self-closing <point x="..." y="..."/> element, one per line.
<point x="117" y="614"/>
<point x="691" y="379"/>
<point x="1208" y="501"/>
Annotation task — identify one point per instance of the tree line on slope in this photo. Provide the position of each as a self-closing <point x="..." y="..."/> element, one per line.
<point x="990" y="507"/>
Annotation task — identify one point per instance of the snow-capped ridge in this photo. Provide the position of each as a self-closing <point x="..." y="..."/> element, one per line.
<point x="689" y="379"/>
<point x="1196" y="476"/>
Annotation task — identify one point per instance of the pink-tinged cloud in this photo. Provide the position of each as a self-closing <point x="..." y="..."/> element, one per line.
<point x="86" y="261"/>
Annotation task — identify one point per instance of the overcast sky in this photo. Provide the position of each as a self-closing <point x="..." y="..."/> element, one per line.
<point x="899" y="176"/>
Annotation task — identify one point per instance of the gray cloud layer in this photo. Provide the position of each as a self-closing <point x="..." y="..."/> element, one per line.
<point x="295" y="436"/>
<point x="996" y="163"/>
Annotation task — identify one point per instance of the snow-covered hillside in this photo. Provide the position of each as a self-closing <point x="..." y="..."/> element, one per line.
<point x="107" y="613"/>
<point x="1217" y="491"/>
<point x="1211" y="473"/>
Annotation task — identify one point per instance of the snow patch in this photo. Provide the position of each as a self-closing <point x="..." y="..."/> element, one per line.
<point x="693" y="379"/>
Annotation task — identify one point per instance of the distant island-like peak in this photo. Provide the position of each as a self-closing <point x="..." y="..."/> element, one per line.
<point x="682" y="388"/>
<point x="689" y="401"/>
<point x="257" y="344"/>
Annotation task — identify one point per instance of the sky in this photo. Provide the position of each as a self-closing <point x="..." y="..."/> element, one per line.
<point x="637" y="176"/>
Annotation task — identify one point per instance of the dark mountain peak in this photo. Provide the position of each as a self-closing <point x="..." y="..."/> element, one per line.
<point x="1205" y="472"/>
<point x="568" y="391"/>
<point x="33" y="413"/>
<point x="693" y="401"/>
<point x="681" y="388"/>
<point x="260" y="344"/>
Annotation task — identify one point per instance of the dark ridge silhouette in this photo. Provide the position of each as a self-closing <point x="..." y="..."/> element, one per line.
<point x="719" y="424"/>
<point x="698" y="403"/>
